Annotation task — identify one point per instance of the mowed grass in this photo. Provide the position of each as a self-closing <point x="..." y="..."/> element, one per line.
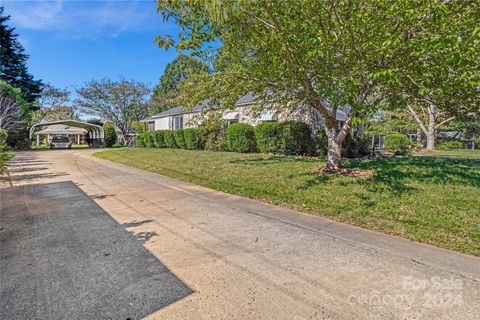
<point x="433" y="198"/>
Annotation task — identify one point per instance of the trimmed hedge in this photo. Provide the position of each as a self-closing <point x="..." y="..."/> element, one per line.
<point x="398" y="144"/>
<point x="446" y="145"/>
<point x="170" y="139"/>
<point x="179" y="138"/>
<point x="241" y="138"/>
<point x="269" y="137"/>
<point x="160" y="139"/>
<point x="192" y="139"/>
<point x="149" y="139"/>
<point x="139" y="140"/>
<point x="296" y="139"/>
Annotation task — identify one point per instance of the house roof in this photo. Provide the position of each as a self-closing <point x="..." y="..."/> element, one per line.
<point x="61" y="130"/>
<point x="246" y="99"/>
<point x="242" y="101"/>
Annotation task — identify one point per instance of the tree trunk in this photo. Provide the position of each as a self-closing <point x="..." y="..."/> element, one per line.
<point x="334" y="155"/>
<point x="431" y="128"/>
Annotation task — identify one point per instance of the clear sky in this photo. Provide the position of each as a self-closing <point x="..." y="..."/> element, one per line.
<point x="73" y="42"/>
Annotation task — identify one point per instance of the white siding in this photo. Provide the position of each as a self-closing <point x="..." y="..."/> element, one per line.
<point x="162" y="124"/>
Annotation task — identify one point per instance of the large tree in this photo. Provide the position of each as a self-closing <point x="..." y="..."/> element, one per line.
<point x="180" y="69"/>
<point x="55" y="105"/>
<point x="12" y="106"/>
<point x="122" y="102"/>
<point x="13" y="63"/>
<point x="438" y="71"/>
<point x="326" y="54"/>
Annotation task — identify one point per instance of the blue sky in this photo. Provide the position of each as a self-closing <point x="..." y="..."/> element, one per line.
<point x="73" y="42"/>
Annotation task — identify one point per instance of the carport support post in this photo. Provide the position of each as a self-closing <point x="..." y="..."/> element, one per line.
<point x="78" y="139"/>
<point x="38" y="139"/>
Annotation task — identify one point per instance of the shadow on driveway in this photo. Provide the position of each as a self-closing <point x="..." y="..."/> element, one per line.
<point x="63" y="257"/>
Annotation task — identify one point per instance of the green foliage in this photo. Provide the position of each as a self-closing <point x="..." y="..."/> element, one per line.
<point x="13" y="64"/>
<point x="179" y="138"/>
<point x="3" y="137"/>
<point x="241" y="138"/>
<point x="449" y="145"/>
<point x="118" y="145"/>
<point x="110" y="136"/>
<point x="149" y="139"/>
<point x="355" y="146"/>
<point x="212" y="133"/>
<point x="321" y="144"/>
<point x="269" y="137"/>
<point x="19" y="139"/>
<point x="192" y="138"/>
<point x="296" y="139"/>
<point x="160" y="138"/>
<point x="122" y="102"/>
<point x="398" y="143"/>
<point x="180" y="69"/>
<point x="170" y="139"/>
<point x="140" y="140"/>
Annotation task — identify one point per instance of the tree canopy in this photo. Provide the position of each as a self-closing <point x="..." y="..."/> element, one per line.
<point x="122" y="102"/>
<point x="180" y="69"/>
<point x="13" y="63"/>
<point x="55" y="105"/>
<point x="321" y="53"/>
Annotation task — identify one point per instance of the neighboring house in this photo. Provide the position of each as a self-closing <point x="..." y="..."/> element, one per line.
<point x="180" y="118"/>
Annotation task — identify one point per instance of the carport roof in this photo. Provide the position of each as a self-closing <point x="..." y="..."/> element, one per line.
<point x="70" y="123"/>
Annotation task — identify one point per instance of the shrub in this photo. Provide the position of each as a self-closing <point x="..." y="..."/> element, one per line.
<point x="192" y="139"/>
<point x="169" y="139"/>
<point x="109" y="134"/>
<point x="321" y="144"/>
<point x="159" y="139"/>
<point x="355" y="146"/>
<point x="3" y="137"/>
<point x="179" y="138"/>
<point x="268" y="136"/>
<point x="398" y="144"/>
<point x="296" y="139"/>
<point x="149" y="139"/>
<point x="117" y="145"/>
<point x="139" y="140"/>
<point x="241" y="138"/>
<point x="449" y="145"/>
<point x="213" y="138"/>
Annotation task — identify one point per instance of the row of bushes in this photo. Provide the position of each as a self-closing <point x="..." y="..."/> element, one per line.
<point x="290" y="138"/>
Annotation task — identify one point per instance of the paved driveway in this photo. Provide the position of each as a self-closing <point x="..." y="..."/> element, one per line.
<point x="246" y="260"/>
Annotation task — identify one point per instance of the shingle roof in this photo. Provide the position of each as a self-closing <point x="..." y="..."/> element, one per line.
<point x="246" y="99"/>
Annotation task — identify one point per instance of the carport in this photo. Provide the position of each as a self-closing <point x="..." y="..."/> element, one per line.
<point x="95" y="132"/>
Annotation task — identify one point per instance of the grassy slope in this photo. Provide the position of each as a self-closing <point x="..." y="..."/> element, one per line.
<point x="431" y="199"/>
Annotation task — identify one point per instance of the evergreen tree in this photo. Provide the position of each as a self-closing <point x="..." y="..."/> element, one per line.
<point x="13" y="60"/>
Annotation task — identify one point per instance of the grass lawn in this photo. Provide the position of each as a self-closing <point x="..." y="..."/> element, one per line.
<point x="431" y="198"/>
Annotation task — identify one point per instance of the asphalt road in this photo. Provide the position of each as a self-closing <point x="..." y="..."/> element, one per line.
<point x="241" y="259"/>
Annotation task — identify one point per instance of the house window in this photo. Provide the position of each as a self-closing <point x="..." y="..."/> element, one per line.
<point x="150" y="126"/>
<point x="178" y="123"/>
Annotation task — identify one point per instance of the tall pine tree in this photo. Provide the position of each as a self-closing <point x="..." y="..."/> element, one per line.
<point x="13" y="63"/>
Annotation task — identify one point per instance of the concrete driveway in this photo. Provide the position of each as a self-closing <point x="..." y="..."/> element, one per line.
<point x="243" y="259"/>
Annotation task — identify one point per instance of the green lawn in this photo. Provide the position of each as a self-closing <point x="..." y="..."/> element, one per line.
<point x="433" y="199"/>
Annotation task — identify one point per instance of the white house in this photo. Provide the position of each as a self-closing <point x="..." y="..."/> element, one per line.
<point x="180" y="118"/>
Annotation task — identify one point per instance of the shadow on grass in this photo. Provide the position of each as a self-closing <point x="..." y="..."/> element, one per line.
<point x="398" y="174"/>
<point x="259" y="160"/>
